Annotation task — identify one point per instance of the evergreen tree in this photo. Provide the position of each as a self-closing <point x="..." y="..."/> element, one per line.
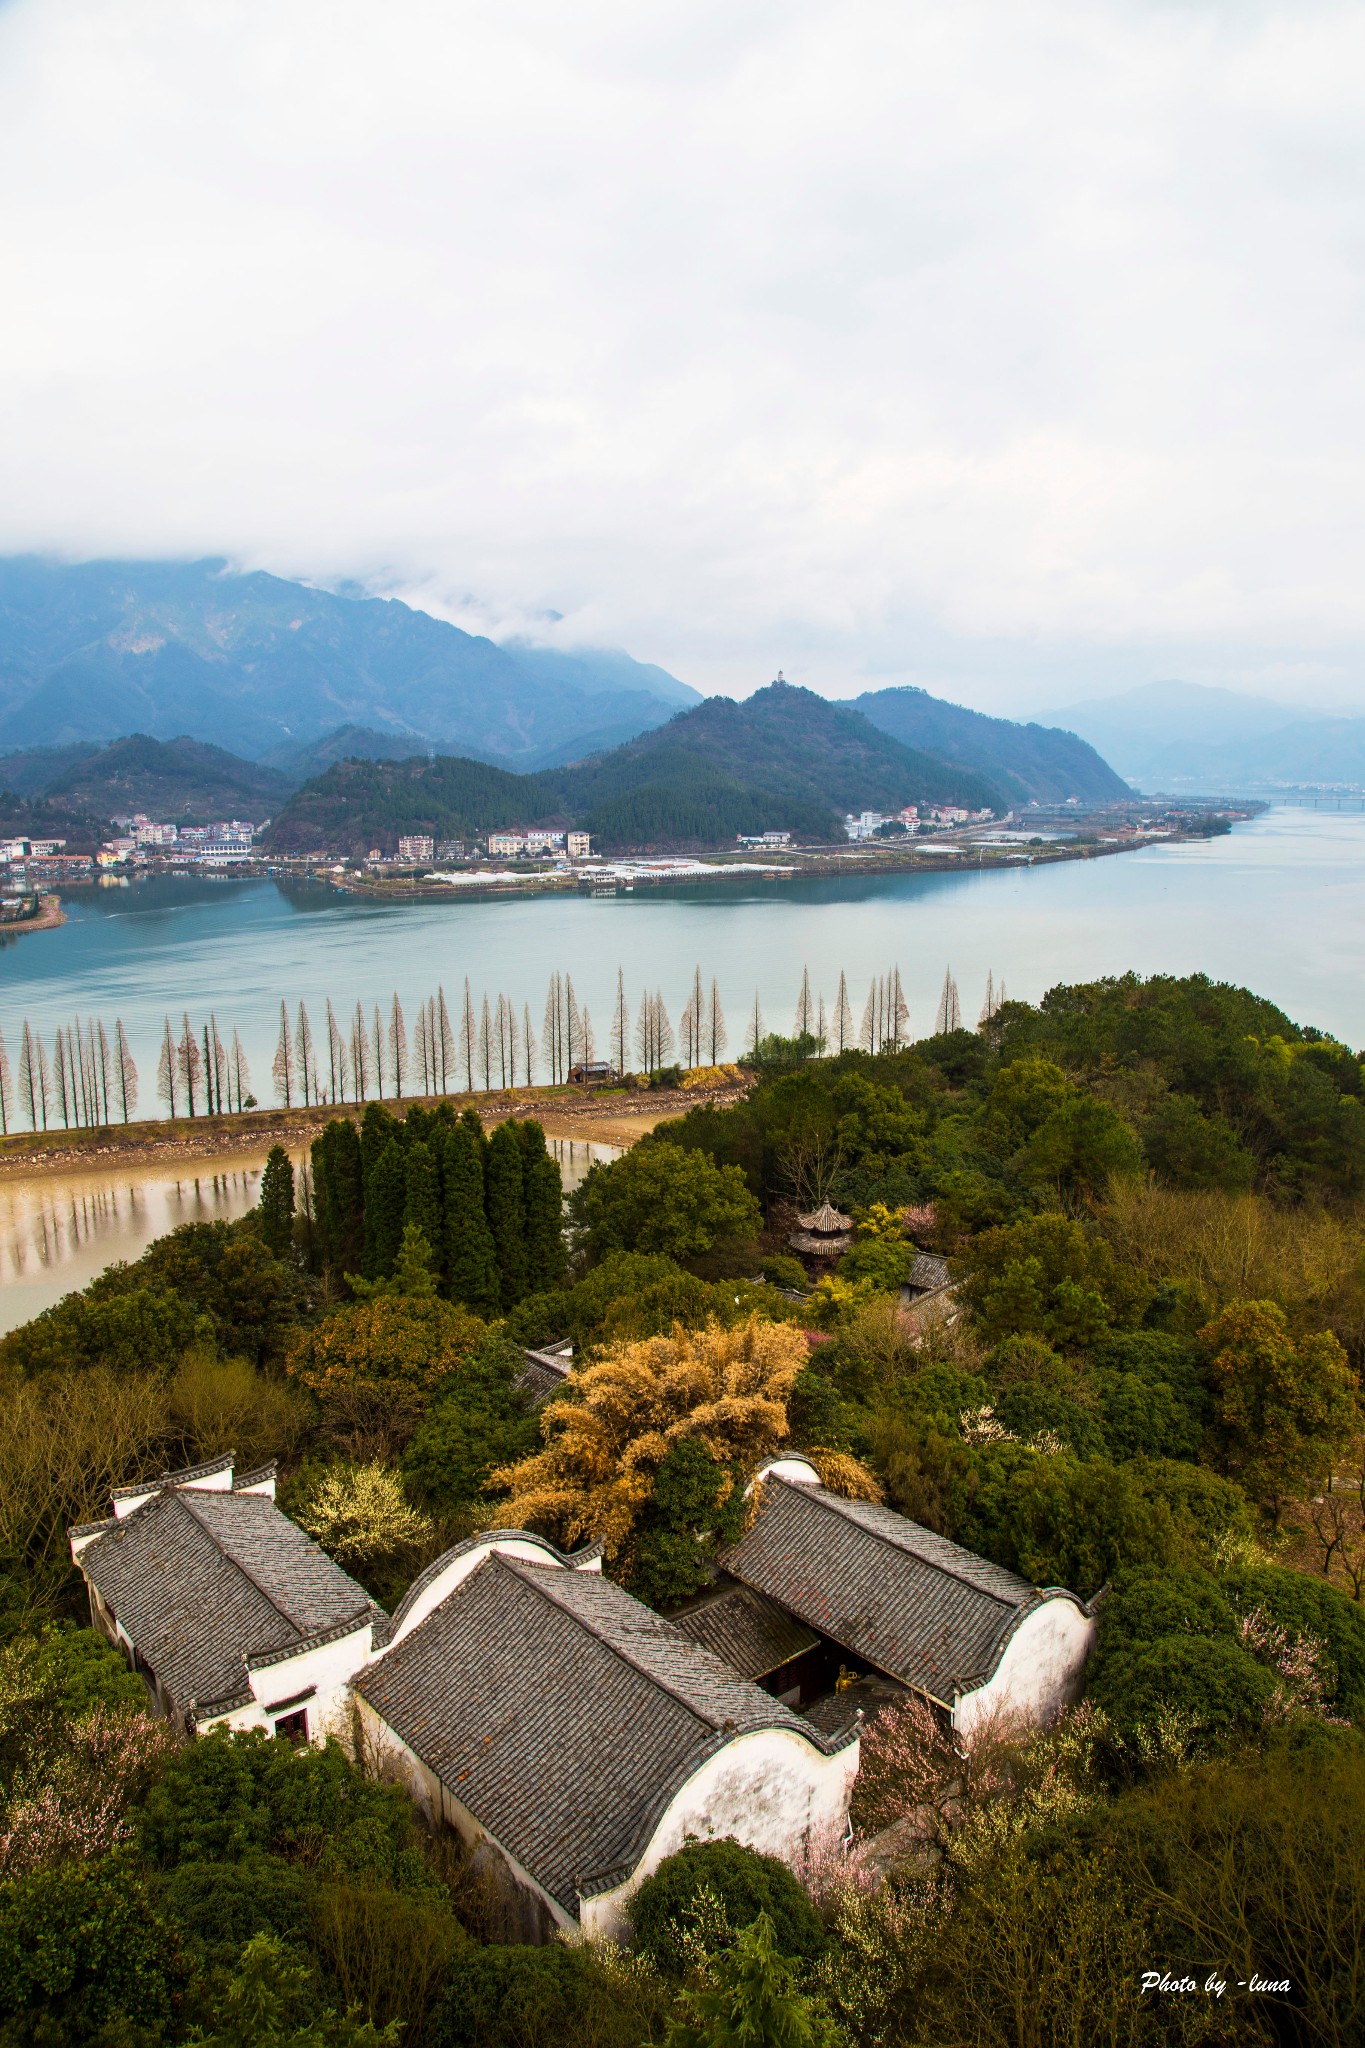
<point x="338" y="1198"/>
<point x="277" y="1200"/>
<point x="470" y="1256"/>
<point x="473" y="1123"/>
<point x="422" y="1203"/>
<point x="506" y="1208"/>
<point x="543" y="1199"/>
<point x="385" y="1203"/>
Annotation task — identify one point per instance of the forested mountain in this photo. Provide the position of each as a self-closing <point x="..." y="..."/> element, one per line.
<point x="181" y="779"/>
<point x="93" y="650"/>
<point x="783" y="760"/>
<point x="1026" y="761"/>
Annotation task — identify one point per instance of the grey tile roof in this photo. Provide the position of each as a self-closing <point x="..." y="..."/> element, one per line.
<point x="903" y="1598"/>
<point x="544" y="1373"/>
<point x="928" y="1272"/>
<point x="202" y="1580"/>
<point x="563" y="1714"/>
<point x="750" y="1633"/>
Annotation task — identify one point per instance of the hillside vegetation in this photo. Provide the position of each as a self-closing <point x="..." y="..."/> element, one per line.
<point x="783" y="760"/>
<point x="1027" y="761"/>
<point x="1151" y="1195"/>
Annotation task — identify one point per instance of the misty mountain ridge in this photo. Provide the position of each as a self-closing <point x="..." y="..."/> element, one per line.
<point x="1028" y="762"/>
<point x="1176" y="735"/>
<point x="94" y="651"/>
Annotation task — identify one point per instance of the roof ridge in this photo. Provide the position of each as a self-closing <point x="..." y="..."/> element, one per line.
<point x="182" y="1494"/>
<point x="832" y="1502"/>
<point x="520" y="1567"/>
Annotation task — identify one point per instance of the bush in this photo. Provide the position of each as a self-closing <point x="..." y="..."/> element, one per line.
<point x="552" y="1997"/>
<point x="659" y="1198"/>
<point x="375" y="1365"/>
<point x="225" y="1796"/>
<point x="218" y="1906"/>
<point x="85" y="1957"/>
<point x="741" y="1881"/>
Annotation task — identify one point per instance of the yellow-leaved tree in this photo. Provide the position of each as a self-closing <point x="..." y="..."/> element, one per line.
<point x="607" y="1436"/>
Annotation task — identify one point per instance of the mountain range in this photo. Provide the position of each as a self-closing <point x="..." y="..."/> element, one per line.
<point x="1027" y="762"/>
<point x="1192" y="736"/>
<point x="783" y="760"/>
<point x="97" y="650"/>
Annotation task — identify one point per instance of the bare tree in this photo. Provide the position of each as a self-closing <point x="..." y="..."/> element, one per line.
<point x="842" y="1031"/>
<point x="644" y="1035"/>
<point x="554" y="1034"/>
<point x="821" y="1024"/>
<point x="949" y="1007"/>
<point x="189" y="1063"/>
<point x="620" y="1025"/>
<point x="377" y="1043"/>
<point x="306" y="1056"/>
<point x="716" y="1033"/>
<point x="445" y="1043"/>
<point x="283" y="1068"/>
<point x="336" y="1054"/>
<point x="664" y="1040"/>
<point x="757" y="1028"/>
<point x="125" y="1072"/>
<point x="805" y="1008"/>
<point x="6" y="1089"/>
<point x="868" y="1035"/>
<point x="104" y="1067"/>
<point x="35" y="1080"/>
<point x="486" y="1046"/>
<point x="589" y="1050"/>
<point x="398" y="1047"/>
<point x="529" y="1048"/>
<point x="360" y="1056"/>
<point x="898" y="1010"/>
<point x="168" y="1071"/>
<point x="239" y="1074"/>
<point x="573" y="1027"/>
<point x="469" y="1038"/>
<point x="421" y="1047"/>
<point x="62" y="1089"/>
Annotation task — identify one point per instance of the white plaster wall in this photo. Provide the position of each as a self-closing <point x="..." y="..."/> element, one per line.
<point x="1040" y="1672"/>
<point x="459" y="1568"/>
<point x="772" y="1790"/>
<point x="798" y="1470"/>
<point x="328" y="1666"/>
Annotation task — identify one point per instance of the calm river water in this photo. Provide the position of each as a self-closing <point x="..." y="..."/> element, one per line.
<point x="1279" y="905"/>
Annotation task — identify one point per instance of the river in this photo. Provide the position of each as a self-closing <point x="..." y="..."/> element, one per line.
<point x="1278" y="904"/>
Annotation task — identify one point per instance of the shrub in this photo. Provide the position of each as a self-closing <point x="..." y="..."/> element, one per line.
<point x="361" y="1517"/>
<point x="741" y="1882"/>
<point x="659" y="1198"/>
<point x="552" y="1997"/>
<point x="219" y="1905"/>
<point x="85" y="1958"/>
<point x="375" y="1365"/>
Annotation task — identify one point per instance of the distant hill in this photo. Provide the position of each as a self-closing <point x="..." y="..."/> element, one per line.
<point x="783" y="760"/>
<point x="1026" y="761"/>
<point x="1173" y="735"/>
<point x="302" y="760"/>
<point x="181" y="779"/>
<point x="94" y="650"/>
<point x="29" y="771"/>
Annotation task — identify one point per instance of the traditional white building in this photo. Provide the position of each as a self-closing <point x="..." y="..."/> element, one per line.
<point x="233" y="1616"/>
<point x="880" y="1595"/>
<point x="573" y="1737"/>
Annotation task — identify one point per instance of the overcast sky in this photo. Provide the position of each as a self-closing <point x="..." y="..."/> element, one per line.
<point x="1013" y="347"/>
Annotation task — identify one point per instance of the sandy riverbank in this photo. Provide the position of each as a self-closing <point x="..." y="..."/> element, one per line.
<point x="50" y="915"/>
<point x="605" y="1120"/>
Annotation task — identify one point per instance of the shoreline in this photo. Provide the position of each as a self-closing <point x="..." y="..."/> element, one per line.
<point x="603" y="1120"/>
<point x="49" y="917"/>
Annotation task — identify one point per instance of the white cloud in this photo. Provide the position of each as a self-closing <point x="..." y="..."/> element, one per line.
<point x="1016" y="347"/>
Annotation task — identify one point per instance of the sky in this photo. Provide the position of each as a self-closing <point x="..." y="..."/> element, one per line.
<point x="1008" y="347"/>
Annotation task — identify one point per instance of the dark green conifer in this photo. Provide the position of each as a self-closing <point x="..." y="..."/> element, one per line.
<point x="473" y="1123"/>
<point x="543" y="1198"/>
<point x="338" y="1198"/>
<point x="506" y="1206"/>
<point x="277" y="1201"/>
<point x="470" y="1257"/>
<point x="422" y="1202"/>
<point x="386" y="1201"/>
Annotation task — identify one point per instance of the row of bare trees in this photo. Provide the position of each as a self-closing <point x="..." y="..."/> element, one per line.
<point x="87" y="1079"/>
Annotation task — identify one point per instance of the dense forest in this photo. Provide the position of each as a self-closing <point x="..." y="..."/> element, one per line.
<point x="785" y="760"/>
<point x="1144" y="1386"/>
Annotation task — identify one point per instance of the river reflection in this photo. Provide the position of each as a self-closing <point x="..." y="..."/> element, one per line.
<point x="59" y="1231"/>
